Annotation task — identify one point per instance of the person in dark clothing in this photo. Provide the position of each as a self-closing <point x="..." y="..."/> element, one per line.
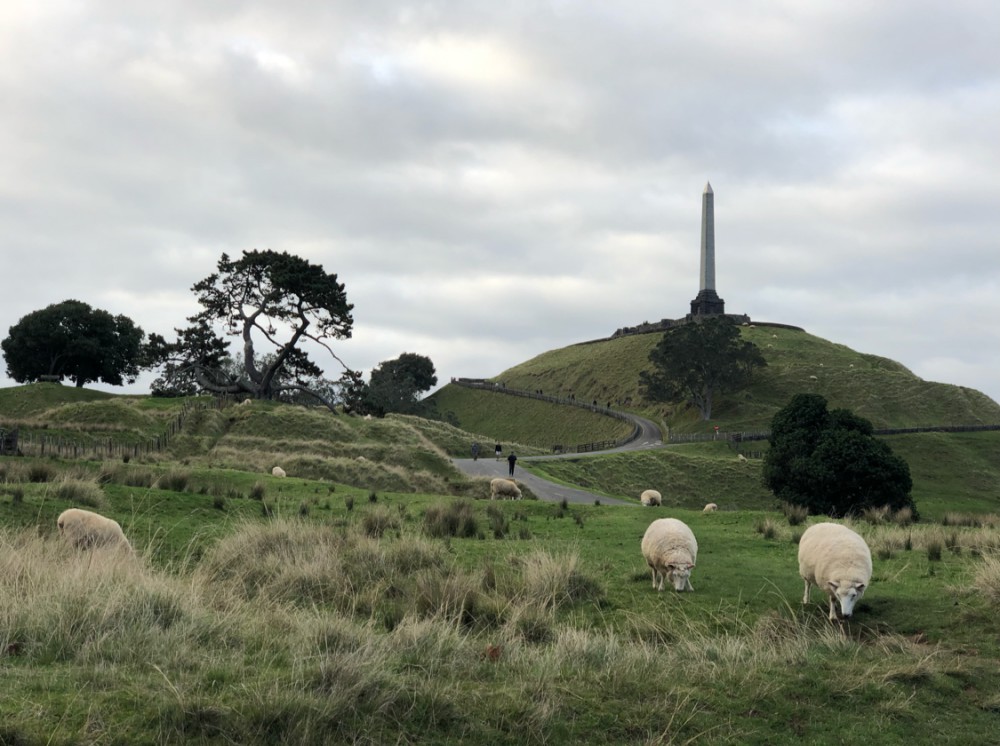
<point x="475" y="451"/>
<point x="497" y="451"/>
<point x="512" y="459"/>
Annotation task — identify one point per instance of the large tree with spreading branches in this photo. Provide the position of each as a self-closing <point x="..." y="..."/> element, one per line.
<point x="277" y="299"/>
<point x="694" y="362"/>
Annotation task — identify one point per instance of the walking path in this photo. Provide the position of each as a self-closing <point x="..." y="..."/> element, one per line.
<point x="649" y="437"/>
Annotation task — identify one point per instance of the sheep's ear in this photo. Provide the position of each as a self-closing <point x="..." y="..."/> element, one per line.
<point x="833" y="585"/>
<point x="691" y="566"/>
<point x="859" y="586"/>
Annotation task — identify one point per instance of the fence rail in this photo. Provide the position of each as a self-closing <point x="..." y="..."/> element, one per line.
<point x="27" y="443"/>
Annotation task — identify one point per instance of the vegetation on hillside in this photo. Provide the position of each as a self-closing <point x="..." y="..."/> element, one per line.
<point x="873" y="387"/>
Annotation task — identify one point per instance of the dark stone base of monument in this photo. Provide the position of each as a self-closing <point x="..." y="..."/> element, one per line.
<point x="708" y="303"/>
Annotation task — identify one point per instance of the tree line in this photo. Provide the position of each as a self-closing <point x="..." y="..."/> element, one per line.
<point x="272" y="302"/>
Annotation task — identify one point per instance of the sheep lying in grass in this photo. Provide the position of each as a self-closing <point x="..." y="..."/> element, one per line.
<point x="277" y="471"/>
<point x="836" y="559"/>
<point x="670" y="550"/>
<point x="651" y="498"/>
<point x="85" y="529"/>
<point x="710" y="508"/>
<point x="501" y="489"/>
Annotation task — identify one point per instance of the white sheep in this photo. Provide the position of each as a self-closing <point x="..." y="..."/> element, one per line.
<point x="501" y="488"/>
<point x="85" y="529"/>
<point x="246" y="402"/>
<point x="836" y="559"/>
<point x="277" y="471"/>
<point x="710" y="508"/>
<point x="671" y="551"/>
<point x="651" y="498"/>
<point x="740" y="457"/>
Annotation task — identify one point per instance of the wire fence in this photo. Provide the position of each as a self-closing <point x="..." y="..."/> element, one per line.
<point x="31" y="442"/>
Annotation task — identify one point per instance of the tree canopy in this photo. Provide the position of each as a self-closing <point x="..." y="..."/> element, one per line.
<point x="831" y="462"/>
<point x="694" y="362"/>
<point x="266" y="297"/>
<point x="72" y="340"/>
<point x="396" y="385"/>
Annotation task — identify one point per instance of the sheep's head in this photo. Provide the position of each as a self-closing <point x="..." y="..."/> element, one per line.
<point x="845" y="594"/>
<point x="679" y="574"/>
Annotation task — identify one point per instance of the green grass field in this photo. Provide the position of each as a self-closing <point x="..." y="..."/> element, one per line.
<point x="371" y="597"/>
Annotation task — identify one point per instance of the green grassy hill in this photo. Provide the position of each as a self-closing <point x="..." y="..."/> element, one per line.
<point x="365" y="599"/>
<point x="884" y="392"/>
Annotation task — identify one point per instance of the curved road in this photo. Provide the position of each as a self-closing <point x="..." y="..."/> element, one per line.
<point x="649" y="437"/>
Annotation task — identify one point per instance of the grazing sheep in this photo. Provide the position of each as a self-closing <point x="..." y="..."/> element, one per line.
<point x="836" y="559"/>
<point x="501" y="488"/>
<point x="740" y="457"/>
<point x="246" y="402"/>
<point x="277" y="471"/>
<point x="671" y="551"/>
<point x="85" y="529"/>
<point x="710" y="508"/>
<point x="651" y="498"/>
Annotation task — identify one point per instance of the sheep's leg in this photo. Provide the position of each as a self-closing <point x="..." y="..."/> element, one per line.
<point x="653" y="571"/>
<point x="689" y="586"/>
<point x="833" y="612"/>
<point x="805" y="594"/>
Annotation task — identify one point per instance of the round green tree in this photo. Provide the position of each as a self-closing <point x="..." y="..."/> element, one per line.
<point x="831" y="462"/>
<point x="72" y="340"/>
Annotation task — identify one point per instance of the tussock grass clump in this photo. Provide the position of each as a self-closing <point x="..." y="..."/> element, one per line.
<point x="174" y="481"/>
<point x="40" y="472"/>
<point x="795" y="514"/>
<point x="258" y="491"/>
<point x="986" y="579"/>
<point x="80" y="492"/>
<point x="767" y="528"/>
<point x="456" y="519"/>
<point x="377" y="522"/>
<point x="553" y="581"/>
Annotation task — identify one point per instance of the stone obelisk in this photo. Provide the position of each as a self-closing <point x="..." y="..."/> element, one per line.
<point x="707" y="303"/>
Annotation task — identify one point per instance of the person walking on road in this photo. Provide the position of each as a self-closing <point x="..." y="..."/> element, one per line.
<point x="475" y="451"/>
<point x="512" y="459"/>
<point x="497" y="451"/>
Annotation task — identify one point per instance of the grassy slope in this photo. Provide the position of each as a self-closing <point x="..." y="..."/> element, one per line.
<point x="874" y="387"/>
<point x="919" y="664"/>
<point x="531" y="420"/>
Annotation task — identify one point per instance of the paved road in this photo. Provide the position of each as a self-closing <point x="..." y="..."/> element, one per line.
<point x="488" y="466"/>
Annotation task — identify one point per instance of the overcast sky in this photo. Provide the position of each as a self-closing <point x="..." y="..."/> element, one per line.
<point x="492" y="180"/>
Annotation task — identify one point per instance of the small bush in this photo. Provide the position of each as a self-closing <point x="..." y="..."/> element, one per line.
<point x="16" y="496"/>
<point x="304" y="509"/>
<point x="219" y="502"/>
<point x="258" y="491"/>
<point x="498" y="522"/>
<point x="372" y="497"/>
<point x="349" y="503"/>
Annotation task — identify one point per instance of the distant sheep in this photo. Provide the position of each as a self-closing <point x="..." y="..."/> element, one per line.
<point x="246" y="402"/>
<point x="277" y="471"/>
<point x="651" y="498"/>
<point x="85" y="530"/>
<point x="501" y="489"/>
<point x="837" y="560"/>
<point x="671" y="551"/>
<point x="710" y="508"/>
<point x="740" y="457"/>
